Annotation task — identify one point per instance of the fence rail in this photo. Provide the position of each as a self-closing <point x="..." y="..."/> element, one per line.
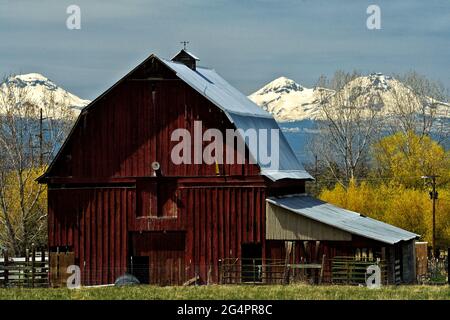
<point x="268" y="271"/>
<point x="348" y="270"/>
<point x="29" y="271"/>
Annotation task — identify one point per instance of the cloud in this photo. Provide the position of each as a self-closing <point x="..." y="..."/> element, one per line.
<point x="249" y="42"/>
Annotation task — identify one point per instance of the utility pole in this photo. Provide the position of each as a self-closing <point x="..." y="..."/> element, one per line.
<point x="40" y="137"/>
<point x="433" y="197"/>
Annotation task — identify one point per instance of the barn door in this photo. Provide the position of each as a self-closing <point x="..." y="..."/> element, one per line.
<point x="165" y="253"/>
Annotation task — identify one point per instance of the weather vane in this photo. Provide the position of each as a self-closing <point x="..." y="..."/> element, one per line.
<point x="184" y="43"/>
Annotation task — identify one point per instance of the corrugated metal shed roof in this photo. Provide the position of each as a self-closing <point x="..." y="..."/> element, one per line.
<point x="342" y="219"/>
<point x="244" y="114"/>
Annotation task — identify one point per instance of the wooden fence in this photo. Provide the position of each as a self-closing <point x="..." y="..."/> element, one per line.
<point x="348" y="270"/>
<point x="268" y="271"/>
<point x="30" y="271"/>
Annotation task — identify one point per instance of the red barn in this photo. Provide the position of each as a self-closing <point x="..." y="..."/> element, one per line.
<point x="119" y="203"/>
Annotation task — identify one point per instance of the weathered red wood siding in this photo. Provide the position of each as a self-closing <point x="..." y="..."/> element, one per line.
<point x="93" y="224"/>
<point x="219" y="220"/>
<point x="166" y="253"/>
<point x="131" y="127"/>
<point x="97" y="224"/>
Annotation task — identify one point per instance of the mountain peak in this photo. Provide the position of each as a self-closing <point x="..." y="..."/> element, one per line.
<point x="29" y="77"/>
<point x="379" y="81"/>
<point x="282" y="80"/>
<point x="286" y="99"/>
<point x="39" y="89"/>
<point x="280" y="85"/>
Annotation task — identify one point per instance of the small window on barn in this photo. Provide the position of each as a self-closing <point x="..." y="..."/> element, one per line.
<point x="156" y="199"/>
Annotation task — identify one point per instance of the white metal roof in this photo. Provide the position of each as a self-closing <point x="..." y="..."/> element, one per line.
<point x="244" y="114"/>
<point x="189" y="53"/>
<point x="342" y="219"/>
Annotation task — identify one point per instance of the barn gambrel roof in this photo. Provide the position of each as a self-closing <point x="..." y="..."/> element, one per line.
<point x="240" y="110"/>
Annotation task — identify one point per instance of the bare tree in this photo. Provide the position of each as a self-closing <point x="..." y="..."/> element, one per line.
<point x="30" y="133"/>
<point x="350" y="122"/>
<point x="419" y="105"/>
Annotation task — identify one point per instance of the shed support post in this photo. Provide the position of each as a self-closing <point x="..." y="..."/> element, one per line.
<point x="390" y="264"/>
<point x="408" y="254"/>
<point x="321" y="269"/>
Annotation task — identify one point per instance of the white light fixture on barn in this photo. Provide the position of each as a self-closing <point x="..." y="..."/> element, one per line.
<point x="156" y="168"/>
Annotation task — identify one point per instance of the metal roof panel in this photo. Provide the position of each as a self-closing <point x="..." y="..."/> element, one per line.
<point x="245" y="114"/>
<point x="342" y="219"/>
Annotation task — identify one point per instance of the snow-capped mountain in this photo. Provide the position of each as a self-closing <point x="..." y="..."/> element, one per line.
<point x="289" y="101"/>
<point x="39" y="90"/>
<point x="396" y="97"/>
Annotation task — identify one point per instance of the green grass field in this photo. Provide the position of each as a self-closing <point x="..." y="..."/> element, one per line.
<point x="221" y="292"/>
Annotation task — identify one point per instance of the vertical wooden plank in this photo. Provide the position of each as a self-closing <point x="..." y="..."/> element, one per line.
<point x="208" y="214"/>
<point x="250" y="199"/>
<point x="111" y="236"/>
<point x="197" y="232"/>
<point x="239" y="214"/>
<point x="75" y="223"/>
<point x="82" y="234"/>
<point x="96" y="253"/>
<point x="221" y="224"/>
<point x="258" y="207"/>
<point x="57" y="220"/>
<point x="105" y="234"/>
<point x="89" y="239"/>
<point x="123" y="230"/>
<point x="261" y="215"/>
<point x="227" y="231"/>
<point x="244" y="215"/>
<point x="98" y="227"/>
<point x="202" y="233"/>
<point x="217" y="210"/>
<point x="117" y="234"/>
<point x="189" y="223"/>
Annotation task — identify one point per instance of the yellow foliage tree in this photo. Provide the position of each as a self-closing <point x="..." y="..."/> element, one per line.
<point x="396" y="204"/>
<point x="23" y="210"/>
<point x="405" y="157"/>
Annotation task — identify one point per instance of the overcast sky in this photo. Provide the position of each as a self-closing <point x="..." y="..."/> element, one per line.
<point x="249" y="42"/>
